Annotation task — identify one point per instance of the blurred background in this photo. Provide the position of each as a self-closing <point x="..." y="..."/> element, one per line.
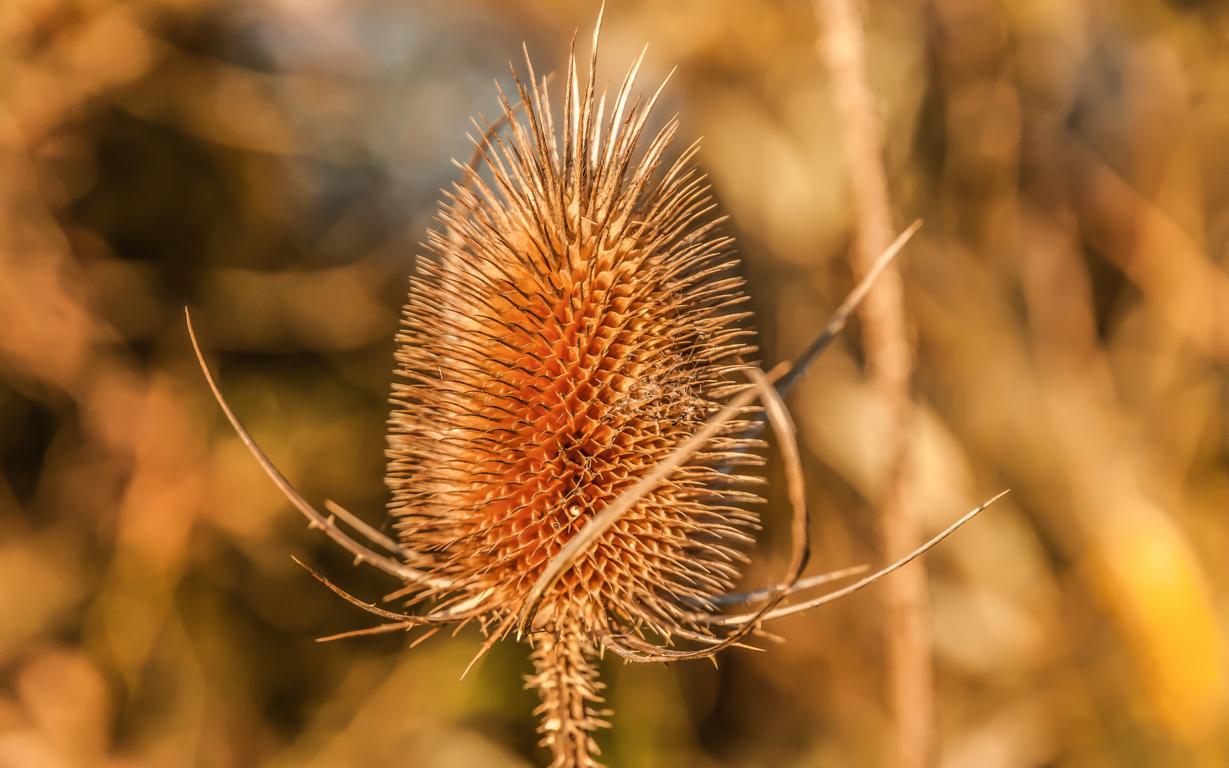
<point x="273" y="164"/>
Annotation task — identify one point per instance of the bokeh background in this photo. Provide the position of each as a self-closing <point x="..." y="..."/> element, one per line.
<point x="274" y="163"/>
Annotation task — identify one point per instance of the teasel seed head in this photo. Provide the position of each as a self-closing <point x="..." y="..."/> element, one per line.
<point x="577" y="316"/>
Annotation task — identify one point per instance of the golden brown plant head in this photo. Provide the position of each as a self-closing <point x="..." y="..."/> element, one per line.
<point x="577" y="318"/>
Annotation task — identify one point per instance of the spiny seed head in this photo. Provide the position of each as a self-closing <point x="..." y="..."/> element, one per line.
<point x="576" y="318"/>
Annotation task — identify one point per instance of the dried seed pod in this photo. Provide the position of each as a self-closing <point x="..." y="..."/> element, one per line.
<point x="576" y="319"/>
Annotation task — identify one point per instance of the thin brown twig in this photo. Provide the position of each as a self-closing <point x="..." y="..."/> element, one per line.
<point x="889" y="355"/>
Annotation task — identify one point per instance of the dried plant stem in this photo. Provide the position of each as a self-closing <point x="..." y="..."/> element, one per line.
<point x="889" y="356"/>
<point x="567" y="683"/>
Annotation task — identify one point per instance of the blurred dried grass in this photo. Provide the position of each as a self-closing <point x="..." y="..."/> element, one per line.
<point x="274" y="163"/>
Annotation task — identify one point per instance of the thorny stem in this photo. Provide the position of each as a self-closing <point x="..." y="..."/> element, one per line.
<point x="567" y="683"/>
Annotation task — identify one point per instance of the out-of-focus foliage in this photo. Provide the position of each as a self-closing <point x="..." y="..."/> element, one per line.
<point x="273" y="164"/>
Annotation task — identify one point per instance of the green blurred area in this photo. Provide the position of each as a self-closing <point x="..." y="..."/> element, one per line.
<point x="273" y="164"/>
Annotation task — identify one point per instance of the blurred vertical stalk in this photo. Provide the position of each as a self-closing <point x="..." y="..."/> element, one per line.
<point x="889" y="358"/>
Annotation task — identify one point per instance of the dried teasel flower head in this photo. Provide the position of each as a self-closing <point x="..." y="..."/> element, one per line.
<point x="573" y="417"/>
<point x="577" y="318"/>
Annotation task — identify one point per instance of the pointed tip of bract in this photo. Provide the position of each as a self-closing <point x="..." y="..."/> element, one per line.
<point x="597" y="26"/>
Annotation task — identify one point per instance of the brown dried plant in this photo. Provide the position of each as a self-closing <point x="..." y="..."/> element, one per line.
<point x="575" y="412"/>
